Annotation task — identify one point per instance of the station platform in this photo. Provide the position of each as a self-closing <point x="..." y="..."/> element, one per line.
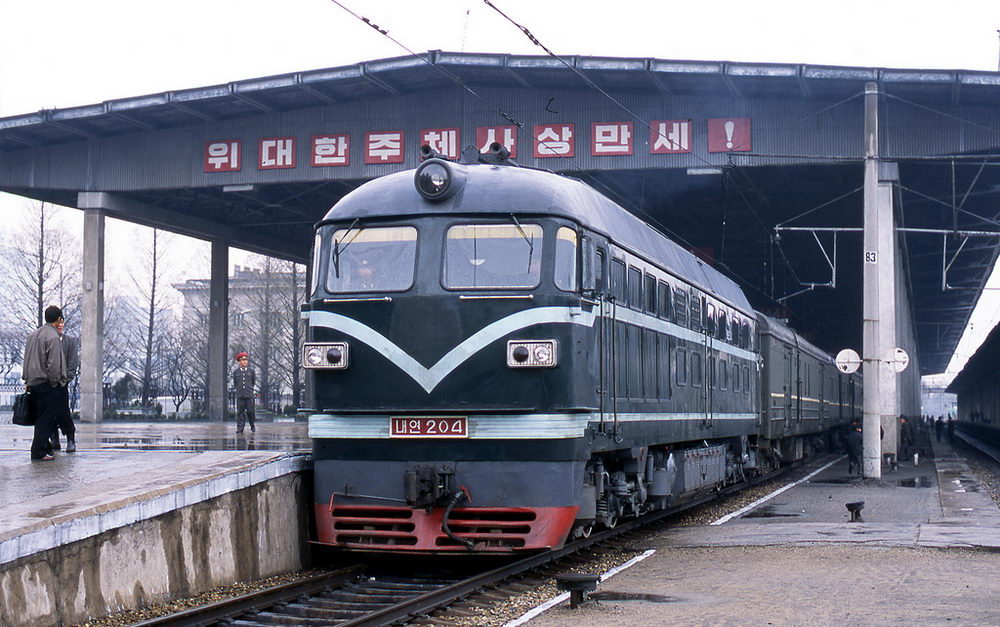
<point x="120" y="467"/>
<point x="927" y="552"/>
<point x="144" y="510"/>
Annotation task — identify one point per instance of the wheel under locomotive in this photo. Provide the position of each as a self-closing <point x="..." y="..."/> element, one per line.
<point x="503" y="359"/>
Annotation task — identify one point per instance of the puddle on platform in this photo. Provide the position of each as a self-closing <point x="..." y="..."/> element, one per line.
<point x="632" y="596"/>
<point x="769" y="511"/>
<point x="922" y="481"/>
<point x="837" y="480"/>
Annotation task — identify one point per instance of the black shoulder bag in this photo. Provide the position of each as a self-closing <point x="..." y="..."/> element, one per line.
<point x="24" y="412"/>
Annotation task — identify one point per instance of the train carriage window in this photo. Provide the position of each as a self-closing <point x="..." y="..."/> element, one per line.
<point x="747" y="337"/>
<point x="680" y="307"/>
<point x="681" y="366"/>
<point x="600" y="269"/>
<point x="709" y="321"/>
<point x="634" y="288"/>
<point x="696" y="307"/>
<point x="723" y="375"/>
<point x="618" y="280"/>
<point x="650" y="294"/>
<point x="696" y="374"/>
<point x="566" y="259"/>
<point x="723" y="326"/>
<point x="665" y="305"/>
<point x="663" y="365"/>
<point x="490" y="256"/>
<point x="316" y="256"/>
<point x="372" y="259"/>
<point x="736" y="377"/>
<point x="734" y="331"/>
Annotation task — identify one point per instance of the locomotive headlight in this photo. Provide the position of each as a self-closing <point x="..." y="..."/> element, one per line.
<point x="531" y="353"/>
<point x="314" y="356"/>
<point x="325" y="355"/>
<point x="437" y="179"/>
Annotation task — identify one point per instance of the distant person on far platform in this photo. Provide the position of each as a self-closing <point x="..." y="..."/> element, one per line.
<point x="905" y="437"/>
<point x="855" y="448"/>
<point x="951" y="430"/>
<point x="244" y="382"/>
<point x="938" y="428"/>
<point x="44" y="374"/>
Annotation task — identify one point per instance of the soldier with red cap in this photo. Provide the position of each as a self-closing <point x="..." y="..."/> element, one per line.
<point x="244" y="382"/>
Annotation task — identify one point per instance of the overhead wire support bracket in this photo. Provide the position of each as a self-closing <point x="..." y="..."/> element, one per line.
<point x="832" y="263"/>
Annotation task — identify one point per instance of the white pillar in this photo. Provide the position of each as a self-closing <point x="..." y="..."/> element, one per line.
<point x="888" y="379"/>
<point x="218" y="332"/>
<point x="871" y="403"/>
<point x="92" y="318"/>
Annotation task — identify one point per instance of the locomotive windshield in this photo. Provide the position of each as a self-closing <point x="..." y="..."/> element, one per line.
<point x="489" y="256"/>
<point x="372" y="259"/>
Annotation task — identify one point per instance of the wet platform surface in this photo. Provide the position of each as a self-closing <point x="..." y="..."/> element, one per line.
<point x="126" y="472"/>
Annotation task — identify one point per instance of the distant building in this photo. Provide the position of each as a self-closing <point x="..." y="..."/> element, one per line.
<point x="934" y="400"/>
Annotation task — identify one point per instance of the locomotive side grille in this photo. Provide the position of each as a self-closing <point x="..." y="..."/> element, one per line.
<point x="368" y="526"/>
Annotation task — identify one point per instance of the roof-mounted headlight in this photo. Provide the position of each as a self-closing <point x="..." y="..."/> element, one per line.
<point x="437" y="179"/>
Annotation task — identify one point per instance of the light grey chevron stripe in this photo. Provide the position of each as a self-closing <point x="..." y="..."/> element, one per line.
<point x="429" y="378"/>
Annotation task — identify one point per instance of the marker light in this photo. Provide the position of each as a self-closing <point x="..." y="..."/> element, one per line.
<point x="325" y="355"/>
<point x="531" y="353"/>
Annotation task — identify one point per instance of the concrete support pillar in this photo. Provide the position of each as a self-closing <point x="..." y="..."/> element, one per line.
<point x="887" y="341"/>
<point x="871" y="328"/>
<point x="92" y="318"/>
<point x="218" y="331"/>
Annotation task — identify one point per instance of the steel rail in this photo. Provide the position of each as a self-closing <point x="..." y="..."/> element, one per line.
<point x="253" y="601"/>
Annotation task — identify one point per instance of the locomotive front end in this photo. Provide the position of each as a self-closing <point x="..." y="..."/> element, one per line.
<point x="445" y="331"/>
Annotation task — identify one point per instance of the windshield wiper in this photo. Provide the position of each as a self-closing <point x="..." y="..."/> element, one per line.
<point x="531" y="241"/>
<point x="337" y="249"/>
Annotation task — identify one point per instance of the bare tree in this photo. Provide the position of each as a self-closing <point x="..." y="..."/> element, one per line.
<point x="41" y="266"/>
<point x="292" y="328"/>
<point x="180" y="361"/>
<point x="11" y="348"/>
<point x="149" y="302"/>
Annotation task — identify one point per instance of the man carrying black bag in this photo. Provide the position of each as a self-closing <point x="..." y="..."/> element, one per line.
<point x="45" y="375"/>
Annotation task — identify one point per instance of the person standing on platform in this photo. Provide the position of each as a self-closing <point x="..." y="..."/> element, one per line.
<point x="44" y="375"/>
<point x="244" y="382"/>
<point x="951" y="430"/>
<point x="905" y="437"/>
<point x="855" y="449"/>
<point x="71" y="353"/>
<point x="938" y="428"/>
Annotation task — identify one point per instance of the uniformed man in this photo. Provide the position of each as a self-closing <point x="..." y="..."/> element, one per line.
<point x="244" y="382"/>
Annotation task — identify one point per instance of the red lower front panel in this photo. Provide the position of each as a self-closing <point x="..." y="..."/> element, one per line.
<point x="402" y="529"/>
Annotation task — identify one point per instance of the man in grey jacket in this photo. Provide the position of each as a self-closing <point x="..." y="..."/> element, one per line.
<point x="44" y="375"/>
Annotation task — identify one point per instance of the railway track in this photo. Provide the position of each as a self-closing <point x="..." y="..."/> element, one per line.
<point x="355" y="596"/>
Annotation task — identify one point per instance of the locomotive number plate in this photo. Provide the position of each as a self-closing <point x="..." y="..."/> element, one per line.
<point x="428" y="427"/>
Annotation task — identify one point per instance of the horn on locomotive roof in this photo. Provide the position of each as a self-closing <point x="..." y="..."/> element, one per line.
<point x="426" y="152"/>
<point x="496" y="153"/>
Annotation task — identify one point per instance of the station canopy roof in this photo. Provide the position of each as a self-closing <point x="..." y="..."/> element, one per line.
<point x="729" y="219"/>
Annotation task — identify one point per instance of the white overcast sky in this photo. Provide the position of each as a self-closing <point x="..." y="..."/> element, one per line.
<point x="63" y="53"/>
